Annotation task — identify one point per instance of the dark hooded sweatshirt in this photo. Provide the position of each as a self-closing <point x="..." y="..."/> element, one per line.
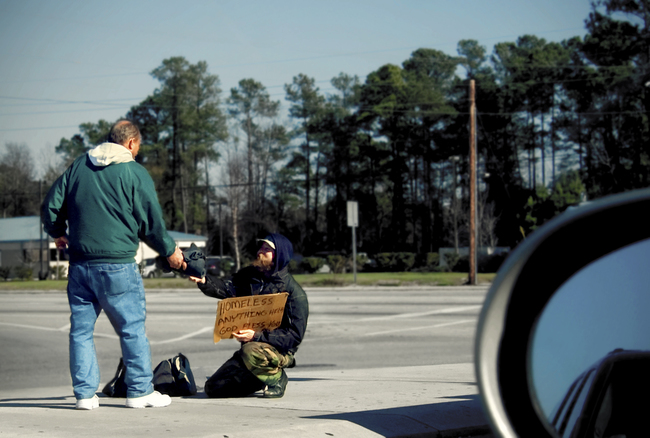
<point x="251" y="281"/>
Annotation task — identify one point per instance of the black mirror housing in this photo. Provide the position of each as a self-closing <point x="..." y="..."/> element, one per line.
<point x="525" y="283"/>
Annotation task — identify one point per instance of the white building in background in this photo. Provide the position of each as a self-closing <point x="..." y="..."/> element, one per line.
<point x="22" y="243"/>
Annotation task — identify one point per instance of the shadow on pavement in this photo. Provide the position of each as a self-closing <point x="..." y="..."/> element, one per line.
<point x="40" y="402"/>
<point x="454" y="418"/>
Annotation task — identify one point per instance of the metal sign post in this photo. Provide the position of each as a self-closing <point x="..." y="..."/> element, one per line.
<point x="353" y="221"/>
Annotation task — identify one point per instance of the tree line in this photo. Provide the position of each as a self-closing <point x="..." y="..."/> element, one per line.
<point x="557" y="123"/>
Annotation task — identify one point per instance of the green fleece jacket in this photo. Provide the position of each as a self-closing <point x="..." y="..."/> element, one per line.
<point x="109" y="203"/>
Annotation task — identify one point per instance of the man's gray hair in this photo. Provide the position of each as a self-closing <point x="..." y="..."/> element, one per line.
<point x="122" y="131"/>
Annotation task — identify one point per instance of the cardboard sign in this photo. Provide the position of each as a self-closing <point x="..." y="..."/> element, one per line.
<point x="256" y="312"/>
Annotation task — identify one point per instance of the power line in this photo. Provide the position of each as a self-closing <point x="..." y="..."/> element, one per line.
<point x="40" y="101"/>
<point x="38" y="128"/>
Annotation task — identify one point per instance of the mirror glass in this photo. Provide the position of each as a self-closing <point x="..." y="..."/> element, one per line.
<point x="603" y="307"/>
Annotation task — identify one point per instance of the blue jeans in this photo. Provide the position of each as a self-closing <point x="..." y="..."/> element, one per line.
<point x="118" y="290"/>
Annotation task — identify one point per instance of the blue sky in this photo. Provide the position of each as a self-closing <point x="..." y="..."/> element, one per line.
<point x="67" y="62"/>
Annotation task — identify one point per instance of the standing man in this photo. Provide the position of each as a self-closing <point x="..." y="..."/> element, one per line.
<point x="109" y="202"/>
<point x="263" y="356"/>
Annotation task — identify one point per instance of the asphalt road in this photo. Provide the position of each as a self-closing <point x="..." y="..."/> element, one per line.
<point x="349" y="328"/>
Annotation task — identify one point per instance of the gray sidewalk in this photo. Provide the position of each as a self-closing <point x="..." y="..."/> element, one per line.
<point x="422" y="401"/>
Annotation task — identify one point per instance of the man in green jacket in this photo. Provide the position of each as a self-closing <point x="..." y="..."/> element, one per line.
<point x="100" y="208"/>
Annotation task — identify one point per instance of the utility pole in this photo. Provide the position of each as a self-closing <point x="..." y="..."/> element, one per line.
<point x="472" y="184"/>
<point x="220" y="234"/>
<point x="207" y="197"/>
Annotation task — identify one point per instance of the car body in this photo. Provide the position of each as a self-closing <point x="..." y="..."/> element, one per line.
<point x="605" y="400"/>
<point x="219" y="266"/>
<point x="148" y="269"/>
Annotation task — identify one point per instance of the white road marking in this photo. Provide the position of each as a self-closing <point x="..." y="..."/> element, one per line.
<point x="419" y="314"/>
<point x="111" y="336"/>
<point x="210" y="328"/>
<point x="399" y="315"/>
<point x="182" y="338"/>
<point x="50" y="329"/>
<point x="389" y="332"/>
<point x="34" y="327"/>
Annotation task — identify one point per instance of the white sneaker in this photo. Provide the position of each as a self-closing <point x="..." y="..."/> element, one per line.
<point x="86" y="404"/>
<point x="153" y="400"/>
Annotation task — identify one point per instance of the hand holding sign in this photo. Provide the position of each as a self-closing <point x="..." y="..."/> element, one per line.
<point x="256" y="312"/>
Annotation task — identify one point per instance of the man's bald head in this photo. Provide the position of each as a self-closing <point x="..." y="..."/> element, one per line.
<point x="122" y="131"/>
<point x="127" y="134"/>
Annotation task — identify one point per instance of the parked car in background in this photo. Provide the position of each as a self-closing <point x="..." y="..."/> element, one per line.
<point x="219" y="266"/>
<point x="148" y="269"/>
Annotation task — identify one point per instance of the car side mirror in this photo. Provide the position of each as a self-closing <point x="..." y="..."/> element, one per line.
<point x="567" y="308"/>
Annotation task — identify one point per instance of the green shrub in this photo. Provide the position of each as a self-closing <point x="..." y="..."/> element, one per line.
<point x="433" y="260"/>
<point x="395" y="261"/>
<point x="362" y="262"/>
<point x="451" y="259"/>
<point x="294" y="267"/>
<point x="58" y="272"/>
<point x="227" y="266"/>
<point x="427" y="262"/>
<point x="337" y="263"/>
<point x="384" y="261"/>
<point x="23" y="272"/>
<point x="312" y="264"/>
<point x="5" y="272"/>
<point x="462" y="265"/>
<point x="404" y="261"/>
<point x="491" y="263"/>
<point x="485" y="264"/>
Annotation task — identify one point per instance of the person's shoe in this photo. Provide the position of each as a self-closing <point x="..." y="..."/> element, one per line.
<point x="277" y="390"/>
<point x="153" y="400"/>
<point x="87" y="404"/>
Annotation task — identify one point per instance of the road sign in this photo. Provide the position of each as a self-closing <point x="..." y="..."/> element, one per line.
<point x="353" y="214"/>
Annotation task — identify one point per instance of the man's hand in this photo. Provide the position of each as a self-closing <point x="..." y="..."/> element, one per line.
<point x="176" y="260"/>
<point x="61" y="242"/>
<point x="244" y="335"/>
<point x="197" y="279"/>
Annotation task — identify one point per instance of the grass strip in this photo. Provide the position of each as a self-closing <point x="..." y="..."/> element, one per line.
<point x="379" y="279"/>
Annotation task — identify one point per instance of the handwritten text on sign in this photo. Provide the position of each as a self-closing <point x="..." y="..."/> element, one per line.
<point x="257" y="312"/>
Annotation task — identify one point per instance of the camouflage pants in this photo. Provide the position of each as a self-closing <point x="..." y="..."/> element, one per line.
<point x="252" y="367"/>
<point x="264" y="361"/>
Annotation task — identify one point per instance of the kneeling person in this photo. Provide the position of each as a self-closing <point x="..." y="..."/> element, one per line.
<point x="263" y="356"/>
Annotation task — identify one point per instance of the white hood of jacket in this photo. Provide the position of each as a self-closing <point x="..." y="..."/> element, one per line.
<point x="109" y="153"/>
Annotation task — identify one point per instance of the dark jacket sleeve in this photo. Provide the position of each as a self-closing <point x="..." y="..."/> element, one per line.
<point x="289" y="335"/>
<point x="215" y="287"/>
<point x="239" y="285"/>
<point x="53" y="210"/>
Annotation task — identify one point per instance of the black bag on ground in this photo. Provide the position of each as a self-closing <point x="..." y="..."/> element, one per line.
<point x="174" y="377"/>
<point x="117" y="387"/>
